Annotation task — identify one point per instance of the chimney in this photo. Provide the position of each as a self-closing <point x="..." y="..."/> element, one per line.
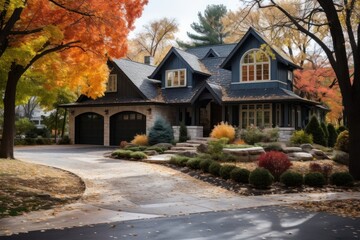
<point x="149" y="60"/>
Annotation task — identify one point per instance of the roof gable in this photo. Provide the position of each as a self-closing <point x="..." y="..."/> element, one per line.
<point x="190" y="60"/>
<point x="280" y="55"/>
<point x="211" y="53"/>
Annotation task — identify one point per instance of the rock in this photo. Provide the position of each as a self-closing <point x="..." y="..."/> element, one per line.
<point x="306" y="147"/>
<point x="151" y="152"/>
<point x="202" y="148"/>
<point x="189" y="154"/>
<point x="292" y="149"/>
<point x="341" y="157"/>
<point x="318" y="154"/>
<point x="163" y="145"/>
<point x="300" y="156"/>
<point x="245" y="154"/>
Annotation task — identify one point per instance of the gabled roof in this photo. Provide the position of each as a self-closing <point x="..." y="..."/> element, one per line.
<point x="252" y="32"/>
<point x="137" y="73"/>
<point x="211" y="53"/>
<point x="190" y="60"/>
<point x="222" y="50"/>
<point x="214" y="90"/>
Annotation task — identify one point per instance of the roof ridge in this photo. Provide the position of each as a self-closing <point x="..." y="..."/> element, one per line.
<point x="132" y="61"/>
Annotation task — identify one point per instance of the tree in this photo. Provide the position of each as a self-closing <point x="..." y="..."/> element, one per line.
<point x="155" y="40"/>
<point x="332" y="135"/>
<point x="210" y="29"/>
<point x="63" y="43"/>
<point x="314" y="128"/>
<point x="340" y="20"/>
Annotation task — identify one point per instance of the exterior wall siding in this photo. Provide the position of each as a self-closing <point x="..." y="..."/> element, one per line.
<point x="175" y="63"/>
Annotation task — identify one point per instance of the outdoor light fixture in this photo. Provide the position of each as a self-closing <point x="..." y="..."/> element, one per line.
<point x="72" y="112"/>
<point x="106" y="111"/>
<point x="149" y="110"/>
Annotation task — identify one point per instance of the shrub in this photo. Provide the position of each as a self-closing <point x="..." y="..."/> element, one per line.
<point x="341" y="129"/>
<point x="326" y="133"/>
<point x="183" y="134"/>
<point x="342" y="141"/>
<point x="327" y="170"/>
<point x="316" y="131"/>
<point x="314" y="179"/>
<point x="261" y="178"/>
<point x="140" y="139"/>
<point x="223" y="130"/>
<point x="275" y="162"/>
<point x="215" y="149"/>
<point x="123" y="144"/>
<point x="292" y="179"/>
<point x="342" y="179"/>
<point x="225" y="171"/>
<point x="65" y="140"/>
<point x="252" y="135"/>
<point x="240" y="175"/>
<point x="270" y="146"/>
<point x="121" y="153"/>
<point x="179" y="160"/>
<point x="161" y="132"/>
<point x="214" y="168"/>
<point x="23" y="125"/>
<point x="157" y="149"/>
<point x="341" y="157"/>
<point x="138" y="155"/>
<point x="204" y="165"/>
<point x="332" y="135"/>
<point x="315" y="167"/>
<point x="270" y="135"/>
<point x="301" y="137"/>
<point x="193" y="163"/>
<point x="135" y="148"/>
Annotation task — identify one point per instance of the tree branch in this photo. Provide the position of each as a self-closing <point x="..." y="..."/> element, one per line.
<point x="72" y="10"/>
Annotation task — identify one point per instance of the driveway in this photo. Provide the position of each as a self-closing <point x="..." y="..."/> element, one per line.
<point x="119" y="190"/>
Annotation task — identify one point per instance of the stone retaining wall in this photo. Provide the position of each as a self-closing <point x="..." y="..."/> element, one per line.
<point x="193" y="132"/>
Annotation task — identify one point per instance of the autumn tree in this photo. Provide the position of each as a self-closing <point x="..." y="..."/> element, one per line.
<point x="154" y="40"/>
<point x="60" y="44"/>
<point x="340" y="19"/>
<point x="209" y="30"/>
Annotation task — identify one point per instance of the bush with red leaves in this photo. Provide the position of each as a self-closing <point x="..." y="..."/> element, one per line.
<point x="276" y="162"/>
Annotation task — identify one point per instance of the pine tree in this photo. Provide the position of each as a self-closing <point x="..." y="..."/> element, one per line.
<point x="183" y="135"/>
<point x="316" y="131"/>
<point x="326" y="133"/>
<point x="332" y="135"/>
<point x="161" y="132"/>
<point x="210" y="30"/>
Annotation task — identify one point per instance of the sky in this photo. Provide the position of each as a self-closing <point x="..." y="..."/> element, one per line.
<point x="184" y="11"/>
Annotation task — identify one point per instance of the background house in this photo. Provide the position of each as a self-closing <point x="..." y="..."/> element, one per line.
<point x="238" y="83"/>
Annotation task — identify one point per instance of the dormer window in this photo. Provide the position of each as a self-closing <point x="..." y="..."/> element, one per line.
<point x="111" y="85"/>
<point x="176" y="78"/>
<point x="255" y="66"/>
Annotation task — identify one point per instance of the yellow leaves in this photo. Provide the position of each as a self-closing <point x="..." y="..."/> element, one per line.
<point x="267" y="49"/>
<point x="53" y="34"/>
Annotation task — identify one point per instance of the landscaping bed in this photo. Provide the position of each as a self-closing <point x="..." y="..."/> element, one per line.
<point x="28" y="187"/>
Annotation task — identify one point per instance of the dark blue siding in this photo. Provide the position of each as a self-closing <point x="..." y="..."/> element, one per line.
<point x="257" y="85"/>
<point x="175" y="63"/>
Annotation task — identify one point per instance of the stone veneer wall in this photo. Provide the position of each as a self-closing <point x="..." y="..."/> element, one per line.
<point x="193" y="132"/>
<point x="156" y="110"/>
<point x="285" y="134"/>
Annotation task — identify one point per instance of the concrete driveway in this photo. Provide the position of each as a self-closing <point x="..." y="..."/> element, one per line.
<point x="119" y="190"/>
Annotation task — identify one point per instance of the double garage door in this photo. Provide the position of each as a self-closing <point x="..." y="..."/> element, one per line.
<point x="89" y="127"/>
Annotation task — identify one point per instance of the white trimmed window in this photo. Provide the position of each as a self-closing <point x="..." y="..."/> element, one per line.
<point x="290" y="75"/>
<point x="175" y="78"/>
<point x="259" y="115"/>
<point x="111" y="85"/>
<point x="255" y="66"/>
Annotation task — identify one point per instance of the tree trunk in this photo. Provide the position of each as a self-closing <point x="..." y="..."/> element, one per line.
<point x="7" y="142"/>
<point x="63" y="125"/>
<point x="353" y="118"/>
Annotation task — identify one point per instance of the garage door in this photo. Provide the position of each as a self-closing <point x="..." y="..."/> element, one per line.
<point x="89" y="129"/>
<point x="125" y="125"/>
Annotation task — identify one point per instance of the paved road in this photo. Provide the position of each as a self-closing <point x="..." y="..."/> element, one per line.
<point x="119" y="191"/>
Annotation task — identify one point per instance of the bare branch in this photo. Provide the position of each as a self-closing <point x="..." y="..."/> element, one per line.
<point x="72" y="10"/>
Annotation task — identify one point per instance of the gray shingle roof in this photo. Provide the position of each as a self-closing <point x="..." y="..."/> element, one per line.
<point x="193" y="61"/>
<point x="222" y="50"/>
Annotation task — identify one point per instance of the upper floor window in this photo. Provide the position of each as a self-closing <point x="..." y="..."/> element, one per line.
<point x="176" y="78"/>
<point x="111" y="85"/>
<point x="290" y="75"/>
<point x="255" y="66"/>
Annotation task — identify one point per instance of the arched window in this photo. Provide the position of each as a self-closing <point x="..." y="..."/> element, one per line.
<point x="255" y="66"/>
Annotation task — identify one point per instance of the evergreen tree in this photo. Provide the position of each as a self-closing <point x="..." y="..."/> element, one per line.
<point x="332" y="135"/>
<point x="183" y="135"/>
<point x="316" y="131"/>
<point x="210" y="30"/>
<point x="161" y="132"/>
<point x="326" y="133"/>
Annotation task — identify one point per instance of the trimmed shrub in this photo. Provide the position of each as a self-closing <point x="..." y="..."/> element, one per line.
<point x="251" y="135"/>
<point x="301" y="137"/>
<point x="205" y="164"/>
<point x="261" y="178"/>
<point x="65" y="140"/>
<point x="138" y="155"/>
<point x="214" y="168"/>
<point x="193" y="163"/>
<point x="157" y="149"/>
<point x="140" y="139"/>
<point x="135" y="148"/>
<point x="332" y="135"/>
<point x="121" y="153"/>
<point x="223" y="130"/>
<point x="225" y="171"/>
<point x="275" y="162"/>
<point x="342" y="179"/>
<point x="314" y="179"/>
<point x="341" y="129"/>
<point x="179" y="160"/>
<point x="326" y="133"/>
<point x="292" y="179"/>
<point x="161" y="132"/>
<point x="342" y="141"/>
<point x="240" y="175"/>
<point x="270" y="146"/>
<point x="316" y="131"/>
<point x="183" y="134"/>
<point x="270" y="135"/>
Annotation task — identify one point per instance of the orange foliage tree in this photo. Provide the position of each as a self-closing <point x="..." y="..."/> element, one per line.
<point x="66" y="43"/>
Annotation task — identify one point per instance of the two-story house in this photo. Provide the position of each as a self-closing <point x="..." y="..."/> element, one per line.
<point x="238" y="83"/>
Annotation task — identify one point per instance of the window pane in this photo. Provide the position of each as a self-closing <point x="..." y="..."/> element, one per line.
<point x="244" y="106"/>
<point x="176" y="78"/>
<point x="259" y="118"/>
<point x="251" y="106"/>
<point x="267" y="119"/>
<point x="132" y="116"/>
<point x="182" y="77"/>
<point x="259" y="72"/>
<point x="266" y="72"/>
<point x="251" y="73"/>
<point x="243" y="119"/>
<point x="251" y="57"/>
<point x="266" y="106"/>
<point x="169" y="79"/>
<point x="264" y="58"/>
<point x="244" y="73"/>
<point x="251" y="118"/>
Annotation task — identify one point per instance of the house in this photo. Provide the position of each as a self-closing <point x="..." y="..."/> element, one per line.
<point x="238" y="83"/>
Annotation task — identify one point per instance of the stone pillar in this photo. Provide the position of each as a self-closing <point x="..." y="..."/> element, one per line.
<point x="106" y="130"/>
